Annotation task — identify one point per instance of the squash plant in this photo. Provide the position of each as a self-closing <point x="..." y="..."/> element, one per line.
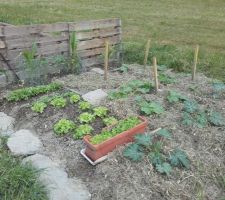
<point x="151" y="146"/>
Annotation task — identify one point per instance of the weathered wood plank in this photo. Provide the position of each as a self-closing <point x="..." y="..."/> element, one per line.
<point x="27" y="42"/>
<point x="95" y="43"/>
<point x="95" y="24"/>
<point x="34" y="29"/>
<point x="41" y="50"/>
<point x="2" y="44"/>
<point x="99" y="33"/>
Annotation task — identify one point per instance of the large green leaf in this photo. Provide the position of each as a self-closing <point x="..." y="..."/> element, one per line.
<point x="142" y="139"/>
<point x="179" y="158"/>
<point x="164" y="168"/>
<point x="164" y="133"/>
<point x="133" y="152"/>
<point x="149" y="108"/>
<point x="216" y="119"/>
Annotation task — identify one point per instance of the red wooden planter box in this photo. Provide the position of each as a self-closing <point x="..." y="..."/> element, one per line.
<point x="97" y="151"/>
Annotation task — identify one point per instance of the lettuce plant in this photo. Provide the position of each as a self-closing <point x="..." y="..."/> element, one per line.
<point x="100" y="111"/>
<point x="84" y="105"/>
<point x="110" y="121"/>
<point x="63" y="127"/>
<point x="82" y="130"/>
<point x="39" y="107"/>
<point x="58" y="102"/>
<point x="86" y="117"/>
<point x="75" y="98"/>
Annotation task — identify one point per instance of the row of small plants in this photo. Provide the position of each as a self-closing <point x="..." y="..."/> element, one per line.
<point x="29" y="92"/>
<point x="193" y="114"/>
<point x="152" y="147"/>
<point x="135" y="87"/>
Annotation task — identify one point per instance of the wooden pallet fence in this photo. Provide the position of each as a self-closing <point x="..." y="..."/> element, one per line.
<point x="53" y="39"/>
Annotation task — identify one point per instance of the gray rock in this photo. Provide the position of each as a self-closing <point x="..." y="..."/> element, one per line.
<point x="3" y="80"/>
<point x="6" y="124"/>
<point x="98" y="70"/>
<point x="95" y="97"/>
<point x="23" y="142"/>
<point x="56" y="180"/>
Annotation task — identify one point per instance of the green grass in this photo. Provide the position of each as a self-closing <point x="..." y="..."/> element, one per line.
<point x="18" y="182"/>
<point x="175" y="26"/>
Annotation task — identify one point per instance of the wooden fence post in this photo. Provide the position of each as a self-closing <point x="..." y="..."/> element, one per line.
<point x="147" y="52"/>
<point x="106" y="63"/>
<point x="155" y="74"/>
<point x="195" y="62"/>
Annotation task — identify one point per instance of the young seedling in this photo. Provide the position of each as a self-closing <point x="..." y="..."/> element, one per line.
<point x="39" y="107"/>
<point x="100" y="111"/>
<point x="110" y="121"/>
<point x="58" y="102"/>
<point x="86" y="117"/>
<point x="82" y="130"/>
<point x="74" y="98"/>
<point x="63" y="127"/>
<point x="84" y="105"/>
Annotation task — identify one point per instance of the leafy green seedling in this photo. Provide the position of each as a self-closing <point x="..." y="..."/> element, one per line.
<point x="150" y="108"/>
<point x="179" y="158"/>
<point x="82" y="130"/>
<point x="58" y="102"/>
<point x="133" y="152"/>
<point x="174" y="97"/>
<point x="63" y="127"/>
<point x="39" y="107"/>
<point x="84" y="105"/>
<point x="164" y="168"/>
<point x="165" y="79"/>
<point x="74" y="98"/>
<point x="110" y="121"/>
<point x="86" y="117"/>
<point x="164" y="133"/>
<point x="191" y="106"/>
<point x="121" y="126"/>
<point x="216" y="119"/>
<point x="28" y="92"/>
<point x="144" y="140"/>
<point x="100" y="111"/>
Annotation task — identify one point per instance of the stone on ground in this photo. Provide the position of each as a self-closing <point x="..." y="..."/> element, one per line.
<point x="98" y="71"/>
<point x="23" y="142"/>
<point x="95" y="97"/>
<point x="6" y="124"/>
<point x="56" y="180"/>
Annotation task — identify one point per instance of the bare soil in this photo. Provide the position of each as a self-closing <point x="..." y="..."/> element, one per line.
<point x="118" y="178"/>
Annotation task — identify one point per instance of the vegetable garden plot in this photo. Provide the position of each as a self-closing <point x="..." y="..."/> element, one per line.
<point x="199" y="149"/>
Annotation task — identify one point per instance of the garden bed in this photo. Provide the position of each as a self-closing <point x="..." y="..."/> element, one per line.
<point x="118" y="177"/>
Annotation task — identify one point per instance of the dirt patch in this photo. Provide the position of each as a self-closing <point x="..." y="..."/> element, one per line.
<point x="118" y="178"/>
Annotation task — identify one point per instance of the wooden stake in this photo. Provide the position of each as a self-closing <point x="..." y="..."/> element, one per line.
<point x="106" y="59"/>
<point x="155" y="74"/>
<point x="195" y="62"/>
<point x="147" y="52"/>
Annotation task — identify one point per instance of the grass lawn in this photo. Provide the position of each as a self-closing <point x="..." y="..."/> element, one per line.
<point x="18" y="182"/>
<point x="175" y="26"/>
